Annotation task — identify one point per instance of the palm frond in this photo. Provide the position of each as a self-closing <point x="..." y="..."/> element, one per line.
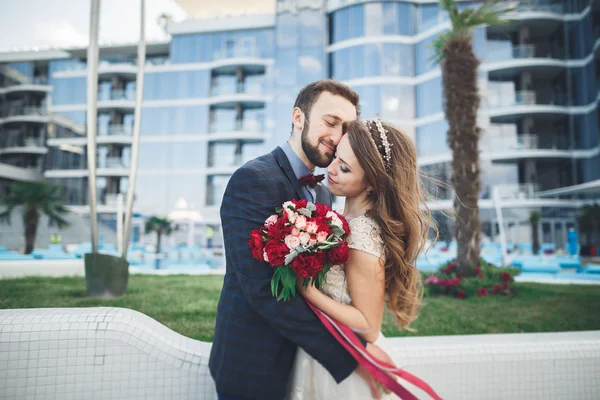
<point x="447" y="5"/>
<point x="438" y="47"/>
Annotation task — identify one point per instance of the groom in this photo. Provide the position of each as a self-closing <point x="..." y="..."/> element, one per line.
<point x="256" y="336"/>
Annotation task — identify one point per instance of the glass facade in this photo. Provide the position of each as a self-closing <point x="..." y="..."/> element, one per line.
<point x="214" y="100"/>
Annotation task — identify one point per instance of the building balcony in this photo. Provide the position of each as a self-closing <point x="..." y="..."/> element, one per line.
<point x="236" y="52"/>
<point x="517" y="191"/>
<point x="515" y="148"/>
<point x="244" y="130"/>
<point x="539" y="7"/>
<point x="27" y="146"/>
<point x="123" y="69"/>
<point x="38" y="85"/>
<point x="27" y="174"/>
<point x="38" y="114"/>
<point x="244" y="88"/>
<point x="117" y="99"/>
<point x="526" y="102"/>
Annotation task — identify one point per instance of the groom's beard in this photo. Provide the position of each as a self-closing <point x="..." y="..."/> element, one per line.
<point x="312" y="152"/>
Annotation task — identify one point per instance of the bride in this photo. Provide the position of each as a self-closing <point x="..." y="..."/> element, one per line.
<point x="375" y="168"/>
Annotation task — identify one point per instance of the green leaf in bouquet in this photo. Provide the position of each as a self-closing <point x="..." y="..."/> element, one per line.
<point x="305" y="212"/>
<point x="278" y="210"/>
<point x="337" y="231"/>
<point x="306" y="282"/>
<point x="311" y="207"/>
<point x="275" y="281"/>
<point x="291" y="256"/>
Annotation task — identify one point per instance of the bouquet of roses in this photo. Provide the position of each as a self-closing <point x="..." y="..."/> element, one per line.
<point x="302" y="239"/>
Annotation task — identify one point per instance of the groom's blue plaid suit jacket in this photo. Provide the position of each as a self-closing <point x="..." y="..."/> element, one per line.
<point x="256" y="337"/>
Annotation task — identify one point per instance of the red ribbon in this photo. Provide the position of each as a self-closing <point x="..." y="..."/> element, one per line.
<point x="376" y="368"/>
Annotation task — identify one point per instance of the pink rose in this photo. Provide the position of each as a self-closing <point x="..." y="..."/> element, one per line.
<point x="292" y="241"/>
<point x="271" y="220"/>
<point x="295" y="232"/>
<point x="312" y="227"/>
<point x="300" y="222"/>
<point x="312" y="242"/>
<point x="321" y="237"/>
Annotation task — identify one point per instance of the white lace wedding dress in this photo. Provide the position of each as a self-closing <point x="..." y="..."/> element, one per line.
<point x="309" y="380"/>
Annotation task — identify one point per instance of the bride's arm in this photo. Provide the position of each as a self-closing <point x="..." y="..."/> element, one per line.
<point x="366" y="283"/>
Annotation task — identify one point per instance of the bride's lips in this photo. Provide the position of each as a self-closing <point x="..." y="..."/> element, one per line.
<point x="330" y="181"/>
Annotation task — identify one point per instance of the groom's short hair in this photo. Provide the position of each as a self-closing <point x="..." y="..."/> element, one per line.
<point x="309" y="94"/>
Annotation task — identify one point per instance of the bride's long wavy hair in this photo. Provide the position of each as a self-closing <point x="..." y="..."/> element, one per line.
<point x="397" y="197"/>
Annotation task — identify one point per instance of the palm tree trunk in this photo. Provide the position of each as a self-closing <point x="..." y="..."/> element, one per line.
<point x="536" y="237"/>
<point x="31" y="217"/>
<point x="158" y="237"/>
<point x="459" y="74"/>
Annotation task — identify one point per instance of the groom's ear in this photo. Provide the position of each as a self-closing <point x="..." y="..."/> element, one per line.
<point x="298" y="118"/>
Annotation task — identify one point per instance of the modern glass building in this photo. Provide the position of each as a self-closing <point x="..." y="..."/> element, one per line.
<point x="221" y="91"/>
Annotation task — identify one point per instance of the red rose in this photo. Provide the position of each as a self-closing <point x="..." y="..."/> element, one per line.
<point x="321" y="210"/>
<point x="276" y="252"/>
<point x="461" y="294"/>
<point x="308" y="265"/>
<point x="345" y="225"/>
<point x="256" y="243"/>
<point x="300" y="203"/>
<point x="323" y="226"/>
<point x="338" y="255"/>
<point x="505" y="276"/>
<point x="478" y="272"/>
<point x="482" y="292"/>
<point x="277" y="231"/>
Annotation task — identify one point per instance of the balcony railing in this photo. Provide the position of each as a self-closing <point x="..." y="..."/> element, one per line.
<point x="524" y="51"/>
<point x="112" y="162"/>
<point x="118" y="130"/>
<point x="117" y="95"/>
<point x="534" y="6"/>
<point x="525" y="97"/>
<point x="237" y="125"/>
<point x="235" y="52"/>
<point x="493" y="143"/>
<point x="517" y="191"/>
<point x="110" y="199"/>
<point x="14" y="111"/>
<point x="242" y="88"/>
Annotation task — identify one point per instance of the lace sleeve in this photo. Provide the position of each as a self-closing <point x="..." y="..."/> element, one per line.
<point x="366" y="236"/>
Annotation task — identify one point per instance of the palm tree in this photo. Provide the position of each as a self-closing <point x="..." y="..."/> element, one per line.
<point x="534" y="219"/>
<point x="160" y="226"/>
<point x="588" y="221"/>
<point x="454" y="51"/>
<point x="36" y="198"/>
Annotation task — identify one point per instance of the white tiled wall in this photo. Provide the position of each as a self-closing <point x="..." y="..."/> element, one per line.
<point x="98" y="353"/>
<point x="116" y="353"/>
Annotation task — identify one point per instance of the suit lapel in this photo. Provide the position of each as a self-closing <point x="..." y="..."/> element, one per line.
<point x="322" y="195"/>
<point x="285" y="165"/>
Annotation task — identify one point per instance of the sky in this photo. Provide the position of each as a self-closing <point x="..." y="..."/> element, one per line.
<point x="65" y="23"/>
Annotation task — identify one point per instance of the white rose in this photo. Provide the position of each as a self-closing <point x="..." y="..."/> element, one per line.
<point x="304" y="238"/>
<point x="292" y="241"/>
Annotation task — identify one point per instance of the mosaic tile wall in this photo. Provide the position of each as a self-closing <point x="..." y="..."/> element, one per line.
<point x="116" y="353"/>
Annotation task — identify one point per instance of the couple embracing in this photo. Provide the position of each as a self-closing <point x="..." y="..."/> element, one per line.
<point x="269" y="349"/>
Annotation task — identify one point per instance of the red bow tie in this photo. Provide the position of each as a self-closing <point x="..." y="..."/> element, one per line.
<point x="311" y="180"/>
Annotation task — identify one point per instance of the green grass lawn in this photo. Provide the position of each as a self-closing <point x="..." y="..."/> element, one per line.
<point x="187" y="304"/>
